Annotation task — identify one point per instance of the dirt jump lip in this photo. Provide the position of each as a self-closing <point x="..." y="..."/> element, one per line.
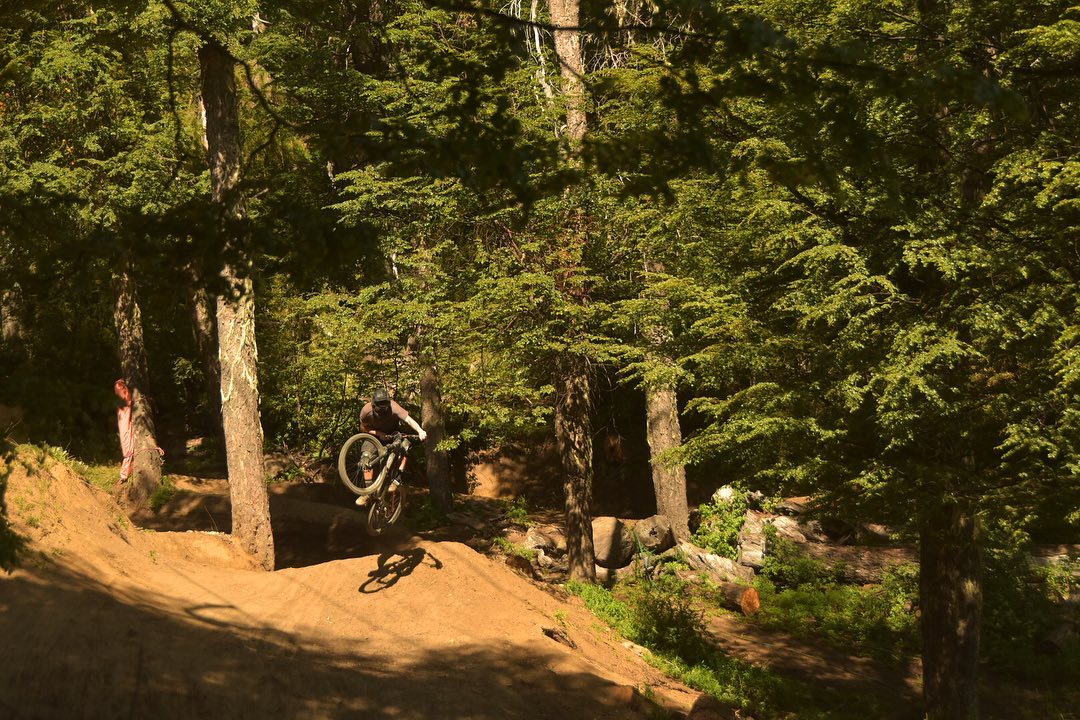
<point x="105" y="620"/>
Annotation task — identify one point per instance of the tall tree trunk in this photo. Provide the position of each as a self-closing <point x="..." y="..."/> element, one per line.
<point x="237" y="353"/>
<point x="204" y="328"/>
<point x="663" y="433"/>
<point x="566" y="17"/>
<point x="662" y="429"/>
<point x="573" y="433"/>
<point x="950" y="588"/>
<point x="431" y="414"/>
<point x="573" y="383"/>
<point x="145" y="475"/>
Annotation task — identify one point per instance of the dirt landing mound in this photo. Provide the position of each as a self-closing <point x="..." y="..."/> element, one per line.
<point x="105" y="620"/>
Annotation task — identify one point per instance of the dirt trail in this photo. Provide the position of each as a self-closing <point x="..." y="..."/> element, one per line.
<point x="106" y="620"/>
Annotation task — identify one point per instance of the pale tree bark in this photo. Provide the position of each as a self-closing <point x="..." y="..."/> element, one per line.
<point x="950" y="599"/>
<point x="434" y="421"/>
<point x="573" y="381"/>
<point x="663" y="433"/>
<point x="662" y="429"/>
<point x="237" y="352"/>
<point x="145" y="475"/>
<point x="573" y="432"/>
<point x="566" y="17"/>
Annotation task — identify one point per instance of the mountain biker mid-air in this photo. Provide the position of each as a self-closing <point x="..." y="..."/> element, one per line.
<point x="382" y="417"/>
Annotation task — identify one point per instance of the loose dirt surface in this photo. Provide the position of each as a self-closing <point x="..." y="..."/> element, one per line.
<point x="105" y="619"/>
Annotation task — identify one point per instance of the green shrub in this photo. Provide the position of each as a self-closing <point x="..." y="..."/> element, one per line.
<point x="659" y="615"/>
<point x="164" y="492"/>
<point x="720" y="525"/>
<point x="785" y="566"/>
<point x="512" y="548"/>
<point x="877" y="621"/>
<point x="663" y="617"/>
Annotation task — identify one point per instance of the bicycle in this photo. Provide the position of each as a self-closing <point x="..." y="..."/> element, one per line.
<point x="361" y="456"/>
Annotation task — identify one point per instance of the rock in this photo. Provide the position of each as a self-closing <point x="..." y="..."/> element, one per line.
<point x="724" y="495"/>
<point x="793" y="506"/>
<point x="839" y="531"/>
<point x="522" y="565"/>
<point x="752" y="540"/>
<point x="607" y="576"/>
<point x="559" y="635"/>
<point x="756" y="500"/>
<point x="706" y="707"/>
<point x="873" y="534"/>
<point x="549" y="538"/>
<point x="813" y="531"/>
<point x="787" y="527"/>
<point x="720" y="568"/>
<point x="614" y="546"/>
<point x="654" y="534"/>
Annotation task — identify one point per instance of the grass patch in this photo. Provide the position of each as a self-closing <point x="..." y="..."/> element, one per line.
<point x="512" y="548"/>
<point x="517" y="511"/>
<point x="162" y="494"/>
<point x="660" y="616"/>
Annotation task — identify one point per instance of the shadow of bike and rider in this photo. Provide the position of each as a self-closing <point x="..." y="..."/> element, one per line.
<point x="394" y="565"/>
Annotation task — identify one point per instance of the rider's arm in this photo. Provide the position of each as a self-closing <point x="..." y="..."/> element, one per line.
<point x="416" y="426"/>
<point x="419" y="431"/>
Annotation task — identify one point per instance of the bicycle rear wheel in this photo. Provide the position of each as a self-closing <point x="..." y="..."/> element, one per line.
<point x="385" y="510"/>
<point x="356" y="462"/>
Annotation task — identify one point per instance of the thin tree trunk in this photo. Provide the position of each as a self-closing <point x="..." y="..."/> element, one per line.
<point x="573" y="404"/>
<point x="664" y="433"/>
<point x="662" y="429"/>
<point x="11" y="326"/>
<point x="237" y="353"/>
<point x="204" y="328"/>
<point x="573" y="433"/>
<point x="950" y="600"/>
<point x="438" y="462"/>
<point x="145" y="475"/>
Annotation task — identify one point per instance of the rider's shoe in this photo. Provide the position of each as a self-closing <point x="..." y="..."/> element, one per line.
<point x="361" y="501"/>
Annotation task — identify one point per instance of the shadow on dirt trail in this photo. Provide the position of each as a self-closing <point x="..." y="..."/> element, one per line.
<point x="73" y="648"/>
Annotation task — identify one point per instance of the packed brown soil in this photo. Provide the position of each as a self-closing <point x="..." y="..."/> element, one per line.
<point x="107" y="620"/>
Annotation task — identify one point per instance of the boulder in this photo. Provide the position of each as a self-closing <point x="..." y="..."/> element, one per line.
<point x="614" y="546"/>
<point x="653" y="533"/>
<point x="706" y="707"/>
<point x="548" y="538"/>
<point x="724" y="495"/>
<point x="720" y="568"/>
<point x="792" y="506"/>
<point x="787" y="527"/>
<point x="752" y="540"/>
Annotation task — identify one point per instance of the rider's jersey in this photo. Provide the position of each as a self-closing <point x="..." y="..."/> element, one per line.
<point x="388" y="423"/>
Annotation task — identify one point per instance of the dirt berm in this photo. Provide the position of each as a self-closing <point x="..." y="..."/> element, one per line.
<point x="104" y="620"/>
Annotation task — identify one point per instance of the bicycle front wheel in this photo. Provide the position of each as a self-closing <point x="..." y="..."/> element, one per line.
<point x="385" y="510"/>
<point x="357" y="463"/>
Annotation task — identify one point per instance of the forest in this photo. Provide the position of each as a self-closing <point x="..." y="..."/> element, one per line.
<point x="826" y="249"/>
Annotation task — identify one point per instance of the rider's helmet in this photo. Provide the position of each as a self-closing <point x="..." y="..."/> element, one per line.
<point x="380" y="402"/>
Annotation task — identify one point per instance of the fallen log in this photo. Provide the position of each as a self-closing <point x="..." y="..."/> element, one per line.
<point x="741" y="598"/>
<point x="859" y="564"/>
